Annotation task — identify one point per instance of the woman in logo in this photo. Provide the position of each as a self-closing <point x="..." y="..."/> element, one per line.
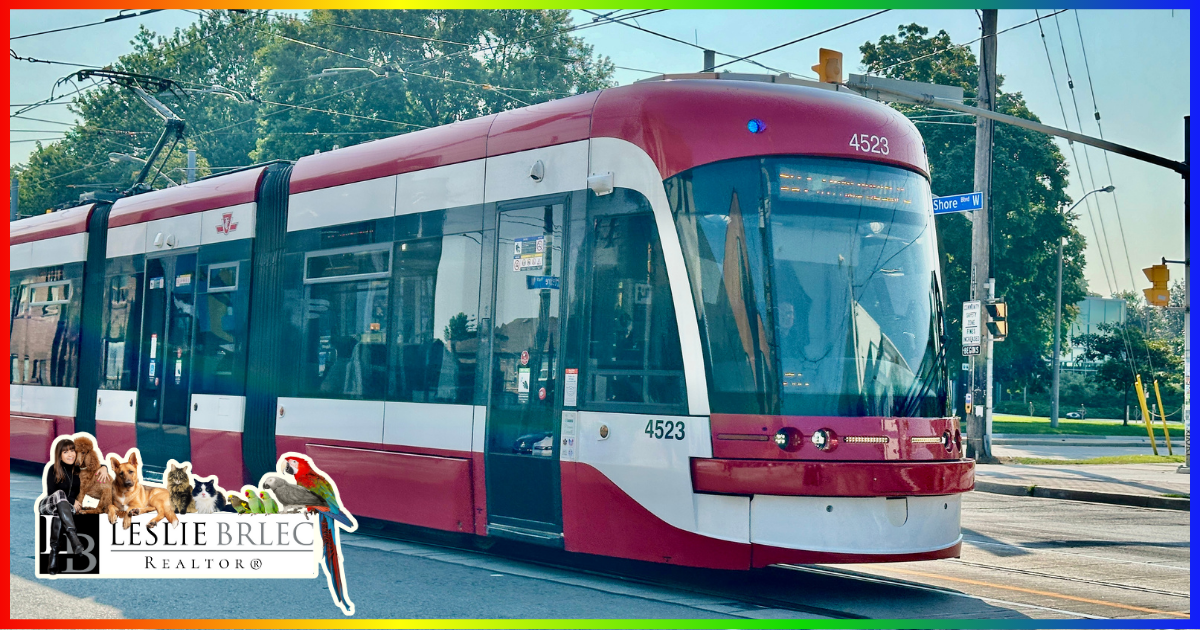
<point x="62" y="498"/>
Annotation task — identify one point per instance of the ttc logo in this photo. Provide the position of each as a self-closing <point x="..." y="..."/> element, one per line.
<point x="227" y="224"/>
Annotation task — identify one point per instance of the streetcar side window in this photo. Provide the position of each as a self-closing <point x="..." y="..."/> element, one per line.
<point x="436" y="295"/>
<point x="50" y="354"/>
<point x="122" y="325"/>
<point x="222" y="304"/>
<point x="633" y="355"/>
<point x="344" y="322"/>
<point x="19" y="307"/>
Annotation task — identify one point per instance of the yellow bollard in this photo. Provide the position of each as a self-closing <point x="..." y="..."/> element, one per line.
<point x="1145" y="413"/>
<point x="1162" y="413"/>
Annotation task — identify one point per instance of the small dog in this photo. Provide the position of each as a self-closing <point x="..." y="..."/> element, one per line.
<point x="130" y="497"/>
<point x="90" y="462"/>
<point x="179" y="482"/>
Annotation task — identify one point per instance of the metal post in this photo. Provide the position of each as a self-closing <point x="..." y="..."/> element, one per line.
<point x="1057" y="342"/>
<point x="14" y="209"/>
<point x="1162" y="414"/>
<point x="710" y="60"/>
<point x="1187" y="284"/>
<point x="977" y="424"/>
<point x="191" y="166"/>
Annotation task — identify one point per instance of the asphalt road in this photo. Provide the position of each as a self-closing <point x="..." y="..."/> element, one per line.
<point x="1022" y="558"/>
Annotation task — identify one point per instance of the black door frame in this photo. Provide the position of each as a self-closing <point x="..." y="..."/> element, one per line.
<point x="508" y="527"/>
<point x="152" y="469"/>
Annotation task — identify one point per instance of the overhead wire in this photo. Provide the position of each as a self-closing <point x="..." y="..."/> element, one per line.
<point x="964" y="45"/>
<point x="70" y="28"/>
<point x="619" y="20"/>
<point x="1075" y="158"/>
<point x="1107" y="166"/>
<point x="1087" y="156"/>
<point x="801" y="39"/>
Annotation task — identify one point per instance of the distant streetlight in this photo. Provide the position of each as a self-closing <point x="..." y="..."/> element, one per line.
<point x="1058" y="314"/>
<point x="328" y="72"/>
<point x="219" y="90"/>
<point x="117" y="158"/>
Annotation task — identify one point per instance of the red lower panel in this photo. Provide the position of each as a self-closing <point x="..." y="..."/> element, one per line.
<point x="418" y="490"/>
<point x="219" y="453"/>
<point x="30" y="437"/>
<point x="764" y="555"/>
<point x="115" y="437"/>
<point x="480" y="487"/>
<point x="599" y="518"/>
<point x="832" y="479"/>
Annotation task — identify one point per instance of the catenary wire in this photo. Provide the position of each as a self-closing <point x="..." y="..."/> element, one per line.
<point x="806" y="37"/>
<point x="70" y="28"/>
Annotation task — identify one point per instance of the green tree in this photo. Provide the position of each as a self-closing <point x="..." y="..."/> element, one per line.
<point x="1029" y="179"/>
<point x="219" y="48"/>
<point x="449" y="65"/>
<point x="252" y="88"/>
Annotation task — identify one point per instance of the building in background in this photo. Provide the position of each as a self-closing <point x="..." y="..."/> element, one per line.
<point x="1093" y="311"/>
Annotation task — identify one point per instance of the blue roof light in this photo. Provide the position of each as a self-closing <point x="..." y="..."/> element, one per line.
<point x="756" y="125"/>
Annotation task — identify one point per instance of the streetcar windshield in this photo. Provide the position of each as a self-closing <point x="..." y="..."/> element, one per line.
<point x="816" y="284"/>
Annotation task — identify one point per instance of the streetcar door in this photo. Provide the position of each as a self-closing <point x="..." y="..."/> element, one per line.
<point x="165" y="379"/>
<point x="522" y="471"/>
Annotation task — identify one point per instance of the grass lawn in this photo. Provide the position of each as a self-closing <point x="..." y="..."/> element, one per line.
<point x="1004" y="423"/>
<point x="1119" y="459"/>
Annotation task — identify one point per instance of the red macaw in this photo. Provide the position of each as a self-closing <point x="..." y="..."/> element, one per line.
<point x="328" y="517"/>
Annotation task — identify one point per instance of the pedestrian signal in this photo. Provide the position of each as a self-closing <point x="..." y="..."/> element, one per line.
<point x="829" y="70"/>
<point x="1159" y="294"/>
<point x="997" y="320"/>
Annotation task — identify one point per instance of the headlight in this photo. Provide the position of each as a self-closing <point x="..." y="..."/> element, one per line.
<point x="789" y="439"/>
<point x="824" y="439"/>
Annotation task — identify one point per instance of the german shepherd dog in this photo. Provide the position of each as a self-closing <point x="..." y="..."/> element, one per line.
<point x="130" y="497"/>
<point x="89" y="462"/>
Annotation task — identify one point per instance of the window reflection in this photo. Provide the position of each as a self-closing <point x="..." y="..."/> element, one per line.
<point x="816" y="285"/>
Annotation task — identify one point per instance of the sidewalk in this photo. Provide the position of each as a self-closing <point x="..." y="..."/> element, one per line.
<point x="1141" y="485"/>
<point x="1076" y="446"/>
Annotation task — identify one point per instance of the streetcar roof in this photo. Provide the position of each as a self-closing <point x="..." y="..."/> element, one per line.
<point x="680" y="124"/>
<point x="50" y="225"/>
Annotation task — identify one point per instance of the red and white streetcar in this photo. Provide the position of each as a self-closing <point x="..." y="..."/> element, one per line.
<point x="686" y="321"/>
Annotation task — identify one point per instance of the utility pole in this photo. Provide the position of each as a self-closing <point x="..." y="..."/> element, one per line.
<point x="979" y="423"/>
<point x="14" y="208"/>
<point x="191" y="166"/>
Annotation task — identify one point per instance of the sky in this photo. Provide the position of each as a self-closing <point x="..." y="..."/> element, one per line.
<point x="1139" y="65"/>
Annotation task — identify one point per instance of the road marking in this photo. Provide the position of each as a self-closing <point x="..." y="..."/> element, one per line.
<point x="1067" y="578"/>
<point x="1035" y="592"/>
<point x="1072" y="553"/>
<point x="878" y="579"/>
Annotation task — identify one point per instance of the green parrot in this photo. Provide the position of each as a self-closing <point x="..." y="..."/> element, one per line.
<point x="256" y="506"/>
<point x="269" y="505"/>
<point x="238" y="504"/>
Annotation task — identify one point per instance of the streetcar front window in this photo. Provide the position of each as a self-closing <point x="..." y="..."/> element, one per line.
<point x="816" y="284"/>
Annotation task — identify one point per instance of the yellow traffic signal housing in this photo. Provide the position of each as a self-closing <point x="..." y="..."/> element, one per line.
<point x="997" y="320"/>
<point x="829" y="70"/>
<point x="1159" y="294"/>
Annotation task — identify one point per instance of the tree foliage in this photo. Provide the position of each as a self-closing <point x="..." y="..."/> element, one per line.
<point x="253" y="88"/>
<point x="1029" y="180"/>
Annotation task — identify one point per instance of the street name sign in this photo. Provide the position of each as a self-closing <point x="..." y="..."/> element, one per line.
<point x="958" y="203"/>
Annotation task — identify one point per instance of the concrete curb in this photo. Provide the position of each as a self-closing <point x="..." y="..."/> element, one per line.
<point x="1136" y="500"/>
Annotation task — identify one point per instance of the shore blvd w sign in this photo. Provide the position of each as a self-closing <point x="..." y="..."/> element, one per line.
<point x="958" y="203"/>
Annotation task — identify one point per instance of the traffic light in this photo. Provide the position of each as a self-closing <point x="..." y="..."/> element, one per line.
<point x="1159" y="294"/>
<point x="829" y="70"/>
<point x="997" y="320"/>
